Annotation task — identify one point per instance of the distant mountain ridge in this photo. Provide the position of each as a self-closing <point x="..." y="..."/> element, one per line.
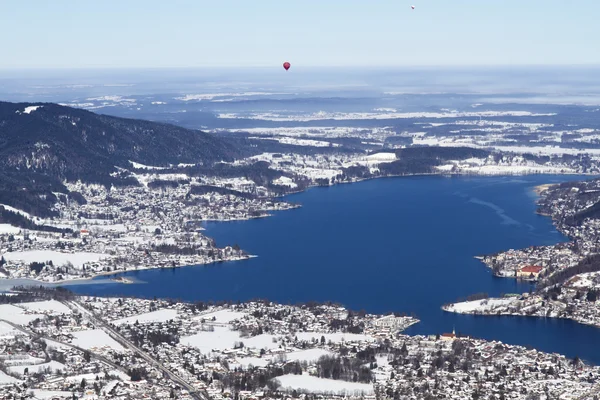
<point x="41" y="144"/>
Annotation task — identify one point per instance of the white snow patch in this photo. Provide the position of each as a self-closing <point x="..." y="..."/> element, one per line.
<point x="285" y="181"/>
<point x="30" y="109"/>
<point x="7" y="379"/>
<point x="479" y="305"/>
<point x="48" y="306"/>
<point x="307" y="355"/>
<point x="9" y="229"/>
<point x="382" y="157"/>
<point x="298" y="142"/>
<point x="313" y="384"/>
<point x="95" y="339"/>
<point x="335" y="337"/>
<point x="223" y="338"/>
<point x="53" y="365"/>
<point x="222" y="316"/>
<point x="57" y="258"/>
<point x="142" y="166"/>
<point x="16" y="315"/>
<point x="153" y="316"/>
<point x="246" y="362"/>
<point x="7" y="330"/>
<point x="50" y="394"/>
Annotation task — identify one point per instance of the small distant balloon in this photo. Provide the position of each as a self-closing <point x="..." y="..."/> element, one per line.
<point x="413" y="7"/>
<point x="286" y="65"/>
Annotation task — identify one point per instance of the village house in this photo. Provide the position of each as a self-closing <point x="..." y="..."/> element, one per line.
<point x="390" y="322"/>
<point x="529" y="272"/>
<point x="449" y="336"/>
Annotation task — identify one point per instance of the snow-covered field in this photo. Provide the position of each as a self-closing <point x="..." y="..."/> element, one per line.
<point x="16" y="315"/>
<point x="153" y="316"/>
<point x="9" y="229"/>
<point x="142" y="166"/>
<point x="6" y="330"/>
<point x="95" y="338"/>
<point x="307" y="355"/>
<point x="57" y="258"/>
<point x="246" y="362"/>
<point x="478" y="305"/>
<point x="53" y="365"/>
<point x="48" y="306"/>
<point x="313" y="384"/>
<point x="335" y="337"/>
<point x="589" y="280"/>
<point x="284" y="181"/>
<point x="310" y="355"/>
<point x="222" y="316"/>
<point x="299" y="142"/>
<point x="51" y="394"/>
<point x="7" y="379"/>
<point x="223" y="338"/>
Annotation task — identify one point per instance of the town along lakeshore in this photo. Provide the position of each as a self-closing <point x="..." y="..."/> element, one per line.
<point x="404" y="245"/>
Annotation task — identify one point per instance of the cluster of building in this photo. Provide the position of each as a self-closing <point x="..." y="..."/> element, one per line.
<point x="117" y="348"/>
<point x="52" y="352"/>
<point x="531" y="262"/>
<point x="128" y="228"/>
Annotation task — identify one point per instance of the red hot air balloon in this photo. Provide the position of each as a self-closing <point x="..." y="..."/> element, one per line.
<point x="286" y="65"/>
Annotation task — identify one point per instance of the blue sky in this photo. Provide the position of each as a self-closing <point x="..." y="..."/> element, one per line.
<point x="196" y="33"/>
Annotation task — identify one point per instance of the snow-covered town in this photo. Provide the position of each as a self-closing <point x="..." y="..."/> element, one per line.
<point x="157" y="223"/>
<point x="105" y="231"/>
<point x="59" y="346"/>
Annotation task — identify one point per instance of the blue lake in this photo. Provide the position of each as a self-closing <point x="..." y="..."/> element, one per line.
<point x="398" y="244"/>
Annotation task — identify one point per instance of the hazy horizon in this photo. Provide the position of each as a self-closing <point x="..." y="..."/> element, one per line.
<point x="202" y="33"/>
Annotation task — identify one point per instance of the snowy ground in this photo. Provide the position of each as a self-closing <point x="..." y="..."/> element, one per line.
<point x="284" y="181"/>
<point x="335" y="337"/>
<point x="223" y="338"/>
<point x="16" y="315"/>
<point x="310" y="355"/>
<point x="246" y="362"/>
<point x="50" y="394"/>
<point x="7" y="379"/>
<point x="318" y="385"/>
<point x="53" y="365"/>
<point x="9" y="229"/>
<point x="589" y="280"/>
<point x="478" y="305"/>
<point x="48" y="306"/>
<point x="153" y="316"/>
<point x="6" y="330"/>
<point x="307" y="355"/>
<point x="222" y="316"/>
<point x="95" y="338"/>
<point x="57" y="258"/>
<point x="299" y="142"/>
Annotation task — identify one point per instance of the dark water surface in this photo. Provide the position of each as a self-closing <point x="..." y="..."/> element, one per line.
<point x="398" y="244"/>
